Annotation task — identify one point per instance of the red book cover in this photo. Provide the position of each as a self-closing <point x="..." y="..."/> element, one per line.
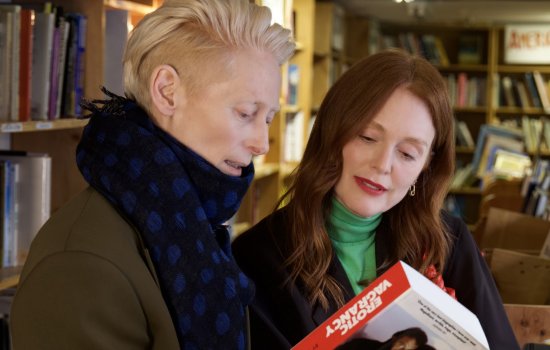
<point x="25" y="65"/>
<point x="399" y="306"/>
<point x="462" y="87"/>
<point x="54" y="74"/>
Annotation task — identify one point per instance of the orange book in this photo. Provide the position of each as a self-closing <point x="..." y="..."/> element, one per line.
<point x="400" y="303"/>
<point x="25" y="65"/>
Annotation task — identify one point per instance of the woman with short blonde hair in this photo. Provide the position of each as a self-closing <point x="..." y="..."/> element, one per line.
<point x="141" y="258"/>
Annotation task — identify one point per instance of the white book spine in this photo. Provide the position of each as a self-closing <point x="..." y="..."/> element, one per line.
<point x="41" y="64"/>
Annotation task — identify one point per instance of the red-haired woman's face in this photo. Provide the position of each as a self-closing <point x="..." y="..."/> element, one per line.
<point x="381" y="164"/>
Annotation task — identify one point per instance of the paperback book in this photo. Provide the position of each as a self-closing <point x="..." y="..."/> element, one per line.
<point x="401" y="307"/>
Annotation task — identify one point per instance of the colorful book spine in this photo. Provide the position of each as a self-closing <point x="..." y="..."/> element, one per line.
<point x="25" y="64"/>
<point x="41" y="64"/>
<point x="54" y="74"/>
<point x="13" y="48"/>
<point x="532" y="88"/>
<point x="74" y="77"/>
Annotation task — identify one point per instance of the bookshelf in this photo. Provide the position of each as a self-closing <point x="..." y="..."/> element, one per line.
<point x="59" y="137"/>
<point x="42" y="125"/>
<point x="329" y="52"/>
<point x="9" y="277"/>
<point x="320" y="58"/>
<point x="442" y="44"/>
<point x="473" y="61"/>
<point x="520" y="74"/>
<point x="288" y="132"/>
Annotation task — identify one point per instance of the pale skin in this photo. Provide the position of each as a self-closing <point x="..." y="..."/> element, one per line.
<point x="226" y="121"/>
<point x="381" y="164"/>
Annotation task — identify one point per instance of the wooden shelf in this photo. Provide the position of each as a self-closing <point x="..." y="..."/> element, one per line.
<point x="544" y="153"/>
<point x="522" y="69"/>
<point x="60" y="124"/>
<point x="269" y="183"/>
<point x="9" y="277"/>
<point x="265" y="170"/>
<point x="129" y="6"/>
<point x="483" y="68"/>
<point x="318" y="56"/>
<point x="290" y="109"/>
<point x="481" y="109"/>
<point x="520" y="111"/>
<point x="464" y="150"/>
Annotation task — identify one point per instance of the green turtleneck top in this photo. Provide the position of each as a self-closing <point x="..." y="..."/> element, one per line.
<point x="352" y="238"/>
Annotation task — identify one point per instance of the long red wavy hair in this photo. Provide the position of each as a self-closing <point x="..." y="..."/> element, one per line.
<point x="416" y="233"/>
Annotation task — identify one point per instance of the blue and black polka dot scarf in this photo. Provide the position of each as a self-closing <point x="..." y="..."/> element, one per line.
<point x="178" y="202"/>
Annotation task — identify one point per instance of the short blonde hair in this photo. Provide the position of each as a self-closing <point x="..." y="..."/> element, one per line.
<point x="198" y="38"/>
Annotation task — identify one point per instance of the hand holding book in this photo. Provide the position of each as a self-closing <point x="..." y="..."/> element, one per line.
<point x="400" y="300"/>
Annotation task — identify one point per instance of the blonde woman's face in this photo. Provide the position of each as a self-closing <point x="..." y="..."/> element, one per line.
<point x="227" y="121"/>
<point x="381" y="164"/>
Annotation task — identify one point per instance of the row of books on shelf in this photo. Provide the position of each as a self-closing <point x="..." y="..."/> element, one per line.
<point x="25" y="197"/>
<point x="466" y="90"/>
<point x="296" y="126"/>
<point x="41" y="62"/>
<point x="463" y="177"/>
<point x="427" y="45"/>
<point x="500" y="150"/>
<point x="524" y="134"/>
<point x="463" y="135"/>
<point x="527" y="90"/>
<point x="499" y="163"/>
<point x="470" y="47"/>
<point x="536" y="190"/>
<point x="535" y="131"/>
<point x="293" y="136"/>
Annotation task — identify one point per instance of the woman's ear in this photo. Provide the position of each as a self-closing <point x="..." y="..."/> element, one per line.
<point x="164" y="84"/>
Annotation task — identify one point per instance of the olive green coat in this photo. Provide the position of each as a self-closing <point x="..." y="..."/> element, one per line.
<point x="88" y="283"/>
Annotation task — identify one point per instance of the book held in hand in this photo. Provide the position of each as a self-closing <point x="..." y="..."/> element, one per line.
<point x="400" y="306"/>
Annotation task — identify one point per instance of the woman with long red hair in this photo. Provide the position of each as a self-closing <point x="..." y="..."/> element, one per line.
<point x="368" y="192"/>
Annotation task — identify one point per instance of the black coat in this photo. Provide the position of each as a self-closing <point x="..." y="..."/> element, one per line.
<point x="281" y="315"/>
